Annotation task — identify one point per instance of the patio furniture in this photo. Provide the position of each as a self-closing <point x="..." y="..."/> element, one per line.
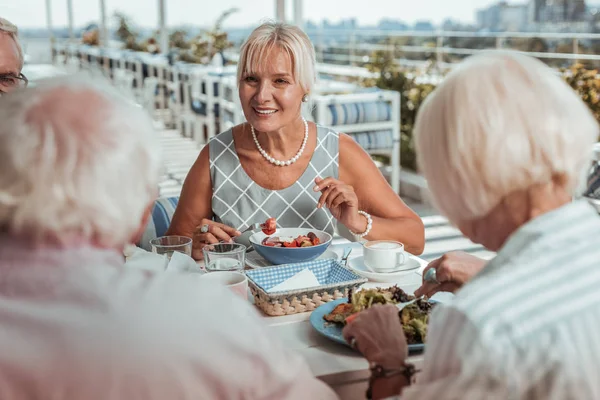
<point x="372" y="118"/>
<point x="159" y="221"/>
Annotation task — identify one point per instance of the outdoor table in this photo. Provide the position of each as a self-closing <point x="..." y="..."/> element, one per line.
<point x="342" y="368"/>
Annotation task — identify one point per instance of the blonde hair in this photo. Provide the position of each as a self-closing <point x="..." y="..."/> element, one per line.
<point x="11" y="30"/>
<point x="500" y="122"/>
<point x="76" y="160"/>
<point x="286" y="37"/>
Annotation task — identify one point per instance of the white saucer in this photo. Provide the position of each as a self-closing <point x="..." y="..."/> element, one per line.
<point x="255" y="260"/>
<point x="357" y="265"/>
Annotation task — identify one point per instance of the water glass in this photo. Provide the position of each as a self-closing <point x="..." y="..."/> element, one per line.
<point x="224" y="257"/>
<point x="169" y="244"/>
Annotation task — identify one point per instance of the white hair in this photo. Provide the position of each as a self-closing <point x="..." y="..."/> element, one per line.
<point x="500" y="122"/>
<point x="286" y="37"/>
<point x="11" y="30"/>
<point x="76" y="161"/>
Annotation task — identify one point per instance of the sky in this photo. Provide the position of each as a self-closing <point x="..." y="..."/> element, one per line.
<point x="32" y="13"/>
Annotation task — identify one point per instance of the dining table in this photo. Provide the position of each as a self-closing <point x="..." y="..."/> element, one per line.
<point x="344" y="369"/>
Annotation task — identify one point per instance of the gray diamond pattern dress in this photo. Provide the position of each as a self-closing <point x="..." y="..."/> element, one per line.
<point x="238" y="201"/>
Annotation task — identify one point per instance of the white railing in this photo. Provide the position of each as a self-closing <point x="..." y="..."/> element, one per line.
<point x="349" y="47"/>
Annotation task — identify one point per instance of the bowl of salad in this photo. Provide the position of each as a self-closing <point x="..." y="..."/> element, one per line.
<point x="289" y="245"/>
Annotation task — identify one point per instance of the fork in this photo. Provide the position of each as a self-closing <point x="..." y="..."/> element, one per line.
<point x="253" y="227"/>
<point x="402" y="305"/>
<point x="344" y="259"/>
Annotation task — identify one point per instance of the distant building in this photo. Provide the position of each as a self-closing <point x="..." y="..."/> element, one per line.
<point x="392" y="25"/>
<point x="424" y="26"/>
<point x="503" y="17"/>
<point x="557" y="11"/>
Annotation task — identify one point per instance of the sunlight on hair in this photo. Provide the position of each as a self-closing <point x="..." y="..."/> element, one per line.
<point x="500" y="122"/>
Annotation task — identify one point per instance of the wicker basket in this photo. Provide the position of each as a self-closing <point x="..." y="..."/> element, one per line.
<point x="338" y="283"/>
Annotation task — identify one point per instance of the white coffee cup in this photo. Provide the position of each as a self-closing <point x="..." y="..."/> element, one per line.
<point x="384" y="255"/>
<point x="235" y="281"/>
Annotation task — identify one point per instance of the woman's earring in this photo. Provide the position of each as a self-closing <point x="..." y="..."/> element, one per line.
<point x="305" y="98"/>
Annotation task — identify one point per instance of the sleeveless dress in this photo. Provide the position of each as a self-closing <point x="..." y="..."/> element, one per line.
<point x="238" y="201"/>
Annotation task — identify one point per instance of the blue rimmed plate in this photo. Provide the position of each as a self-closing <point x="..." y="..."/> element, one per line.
<point x="334" y="331"/>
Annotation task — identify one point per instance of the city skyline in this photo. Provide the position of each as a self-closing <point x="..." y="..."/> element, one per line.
<point x="144" y="13"/>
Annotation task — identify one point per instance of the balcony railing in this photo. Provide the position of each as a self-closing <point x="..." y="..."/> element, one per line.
<point x="355" y="47"/>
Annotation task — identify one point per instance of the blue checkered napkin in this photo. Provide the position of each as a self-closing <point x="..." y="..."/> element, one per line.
<point x="327" y="272"/>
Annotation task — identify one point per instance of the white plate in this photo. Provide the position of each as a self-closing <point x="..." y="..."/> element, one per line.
<point x="357" y="265"/>
<point x="254" y="260"/>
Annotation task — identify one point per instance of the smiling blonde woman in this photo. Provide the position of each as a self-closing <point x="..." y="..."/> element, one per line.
<point x="279" y="165"/>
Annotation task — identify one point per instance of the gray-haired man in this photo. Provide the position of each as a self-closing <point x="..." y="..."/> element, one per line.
<point x="11" y="58"/>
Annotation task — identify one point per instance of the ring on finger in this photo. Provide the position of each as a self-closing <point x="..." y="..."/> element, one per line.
<point x="204" y="228"/>
<point x="353" y="342"/>
<point x="431" y="276"/>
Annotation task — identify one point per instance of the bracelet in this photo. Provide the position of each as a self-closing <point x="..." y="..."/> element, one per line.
<point x="377" y="371"/>
<point x="369" y="224"/>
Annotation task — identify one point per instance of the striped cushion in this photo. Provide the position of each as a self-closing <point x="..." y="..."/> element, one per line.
<point x="358" y="113"/>
<point x="593" y="188"/>
<point x="373" y="140"/>
<point x="159" y="220"/>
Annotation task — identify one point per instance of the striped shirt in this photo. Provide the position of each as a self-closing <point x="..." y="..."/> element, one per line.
<point x="528" y="325"/>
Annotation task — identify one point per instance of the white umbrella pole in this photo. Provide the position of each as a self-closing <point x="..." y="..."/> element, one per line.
<point x="103" y="30"/>
<point x="162" y="26"/>
<point x="50" y="28"/>
<point x="70" y="18"/>
<point x="280" y="10"/>
<point x="298" y="17"/>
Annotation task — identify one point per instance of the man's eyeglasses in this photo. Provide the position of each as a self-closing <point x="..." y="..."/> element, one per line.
<point x="11" y="81"/>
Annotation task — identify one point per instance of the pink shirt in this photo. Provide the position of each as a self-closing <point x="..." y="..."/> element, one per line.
<point x="76" y="325"/>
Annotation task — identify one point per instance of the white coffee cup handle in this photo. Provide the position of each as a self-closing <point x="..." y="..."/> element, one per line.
<point x="400" y="258"/>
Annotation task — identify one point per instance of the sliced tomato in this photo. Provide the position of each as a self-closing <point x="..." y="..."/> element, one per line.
<point x="270" y="244"/>
<point x="290" y="244"/>
<point x="316" y="241"/>
<point x="351" y="318"/>
<point x="270" y="226"/>
<point x="301" y="239"/>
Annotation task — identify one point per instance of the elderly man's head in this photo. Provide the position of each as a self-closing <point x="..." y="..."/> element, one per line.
<point x="77" y="163"/>
<point x="11" y="57"/>
<point x="502" y="131"/>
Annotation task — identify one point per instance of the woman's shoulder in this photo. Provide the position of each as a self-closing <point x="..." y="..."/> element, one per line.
<point x="224" y="137"/>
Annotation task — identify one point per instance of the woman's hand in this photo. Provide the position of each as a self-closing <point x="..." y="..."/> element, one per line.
<point x="341" y="201"/>
<point x="453" y="270"/>
<point x="378" y="335"/>
<point x="216" y="233"/>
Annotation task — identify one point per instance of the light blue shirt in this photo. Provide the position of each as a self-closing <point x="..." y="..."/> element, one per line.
<point x="527" y="326"/>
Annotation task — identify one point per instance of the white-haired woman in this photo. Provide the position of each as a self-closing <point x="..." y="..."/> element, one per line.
<point x="79" y="170"/>
<point x="503" y="142"/>
<point x="279" y="165"/>
<point x="11" y="58"/>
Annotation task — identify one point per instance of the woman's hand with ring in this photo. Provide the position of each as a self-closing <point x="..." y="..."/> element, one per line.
<point x="453" y="270"/>
<point x="210" y="232"/>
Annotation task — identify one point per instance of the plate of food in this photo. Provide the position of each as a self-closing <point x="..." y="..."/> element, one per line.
<point x="330" y="318"/>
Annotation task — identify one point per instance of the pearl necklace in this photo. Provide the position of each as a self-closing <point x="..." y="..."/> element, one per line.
<point x="278" y="162"/>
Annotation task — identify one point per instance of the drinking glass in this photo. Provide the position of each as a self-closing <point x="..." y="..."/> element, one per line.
<point x="169" y="244"/>
<point x="224" y="257"/>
